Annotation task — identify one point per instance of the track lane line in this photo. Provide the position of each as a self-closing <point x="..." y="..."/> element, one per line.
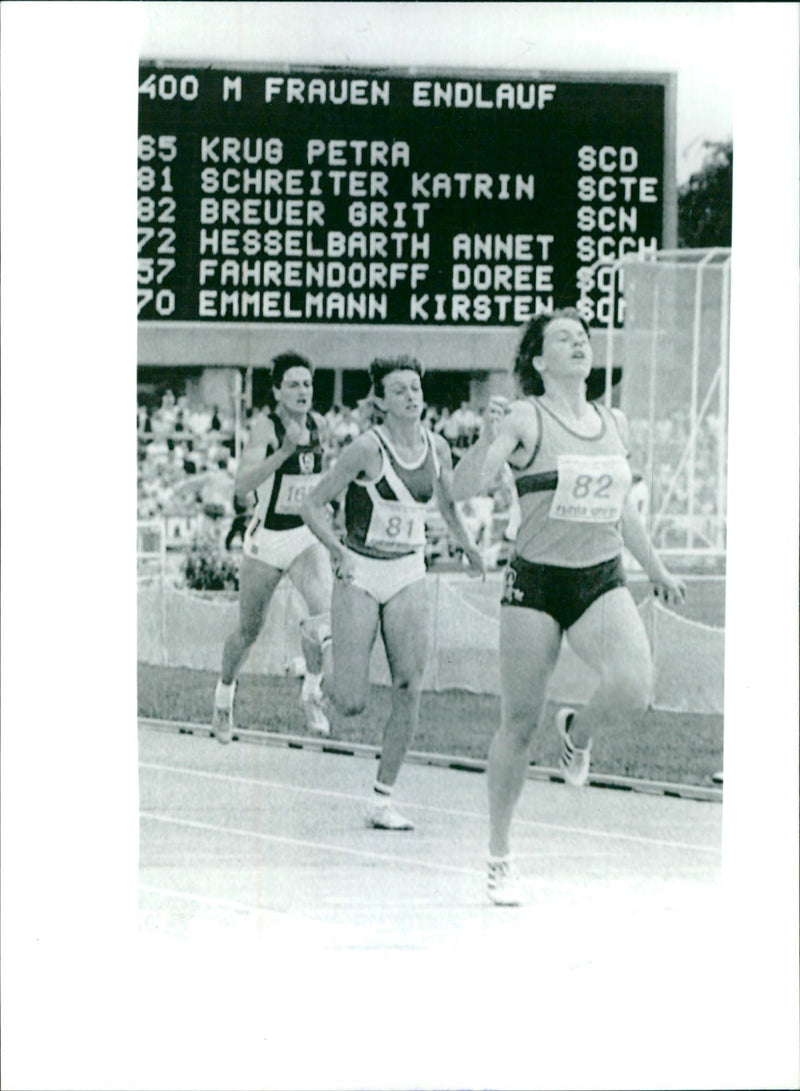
<point x="301" y="843"/>
<point x="220" y="903"/>
<point x="235" y="779"/>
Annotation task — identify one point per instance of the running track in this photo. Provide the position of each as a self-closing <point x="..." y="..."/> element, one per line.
<point x="273" y="838"/>
<point x="294" y="948"/>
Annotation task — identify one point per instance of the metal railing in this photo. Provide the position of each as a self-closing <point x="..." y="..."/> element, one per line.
<point x="699" y="403"/>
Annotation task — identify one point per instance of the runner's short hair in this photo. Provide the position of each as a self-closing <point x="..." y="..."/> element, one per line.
<point x="530" y="346"/>
<point x="286" y="360"/>
<point x="383" y="365"/>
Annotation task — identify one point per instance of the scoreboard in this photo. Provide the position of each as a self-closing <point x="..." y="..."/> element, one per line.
<point x="300" y="197"/>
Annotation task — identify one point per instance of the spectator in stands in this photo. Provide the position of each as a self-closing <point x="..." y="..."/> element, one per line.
<point x="346" y="428"/>
<point x="443" y="418"/>
<point x="367" y="413"/>
<point x="462" y="427"/>
<point x="451" y="427"/>
<point x="430" y="418"/>
<point x="243" y="513"/>
<point x="569" y="459"/>
<point x="168" y="411"/>
<point x="332" y="416"/>
<point x="200" y="421"/>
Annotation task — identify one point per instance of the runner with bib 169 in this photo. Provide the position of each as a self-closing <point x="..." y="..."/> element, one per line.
<point x="281" y="463"/>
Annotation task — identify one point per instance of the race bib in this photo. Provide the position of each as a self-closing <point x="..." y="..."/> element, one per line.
<point x="293" y="491"/>
<point x="591" y="488"/>
<point x="395" y="525"/>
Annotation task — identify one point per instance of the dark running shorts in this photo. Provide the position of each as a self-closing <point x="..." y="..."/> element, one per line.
<point x="563" y="593"/>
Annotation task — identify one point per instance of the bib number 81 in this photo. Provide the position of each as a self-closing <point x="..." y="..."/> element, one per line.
<point x="394" y="527"/>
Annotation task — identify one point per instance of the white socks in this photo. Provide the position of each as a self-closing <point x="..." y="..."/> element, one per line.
<point x="223" y="695"/>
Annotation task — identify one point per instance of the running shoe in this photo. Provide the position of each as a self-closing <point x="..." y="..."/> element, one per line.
<point x="383" y="816"/>
<point x="573" y="761"/>
<point x="313" y="703"/>
<point x="222" y="721"/>
<point x="503" y="885"/>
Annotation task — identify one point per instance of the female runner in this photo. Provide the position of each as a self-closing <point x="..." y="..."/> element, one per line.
<point x="570" y="461"/>
<point x="389" y="474"/>
<point x="281" y="462"/>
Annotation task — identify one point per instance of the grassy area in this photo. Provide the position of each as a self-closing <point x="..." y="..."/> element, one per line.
<point x="683" y="748"/>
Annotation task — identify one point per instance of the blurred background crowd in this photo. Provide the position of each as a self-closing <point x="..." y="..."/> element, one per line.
<point x="187" y="460"/>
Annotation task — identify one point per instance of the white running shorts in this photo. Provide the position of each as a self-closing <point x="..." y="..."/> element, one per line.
<point x="383" y="579"/>
<point x="279" y="548"/>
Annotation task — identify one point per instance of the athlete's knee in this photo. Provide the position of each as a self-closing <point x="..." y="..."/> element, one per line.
<point x="317" y="629"/>
<point x="249" y="630"/>
<point x="518" y="724"/>
<point x="407" y="685"/>
<point x="350" y="704"/>
<point x="632" y="691"/>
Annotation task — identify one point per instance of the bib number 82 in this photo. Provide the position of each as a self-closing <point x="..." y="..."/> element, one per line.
<point x="583" y="486"/>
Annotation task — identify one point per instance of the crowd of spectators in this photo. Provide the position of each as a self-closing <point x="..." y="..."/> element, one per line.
<point x="669" y="487"/>
<point x="186" y="459"/>
<point x="187" y="466"/>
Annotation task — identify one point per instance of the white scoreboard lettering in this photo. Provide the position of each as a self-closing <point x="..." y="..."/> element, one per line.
<point x="319" y="196"/>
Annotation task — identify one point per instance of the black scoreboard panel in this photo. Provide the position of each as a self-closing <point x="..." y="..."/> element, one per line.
<point x="364" y="197"/>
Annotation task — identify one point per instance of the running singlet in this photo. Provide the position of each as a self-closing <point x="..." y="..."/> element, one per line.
<point x="385" y="518"/>
<point x="279" y="498"/>
<point x="571" y="499"/>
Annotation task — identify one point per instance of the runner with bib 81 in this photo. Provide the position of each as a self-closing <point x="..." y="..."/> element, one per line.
<point x="388" y="477"/>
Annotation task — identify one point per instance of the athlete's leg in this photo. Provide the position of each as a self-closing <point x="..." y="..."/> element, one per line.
<point x="257" y="582"/>
<point x="529" y="644"/>
<point x="311" y="574"/>
<point x="405" y="624"/>
<point x="611" y="638"/>
<point x="354" y="625"/>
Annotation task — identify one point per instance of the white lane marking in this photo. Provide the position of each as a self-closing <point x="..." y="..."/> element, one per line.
<point x="229" y="777"/>
<point x="300" y="843"/>
<point x="218" y="903"/>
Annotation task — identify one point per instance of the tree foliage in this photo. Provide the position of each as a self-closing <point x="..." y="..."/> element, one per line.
<point x="705" y="201"/>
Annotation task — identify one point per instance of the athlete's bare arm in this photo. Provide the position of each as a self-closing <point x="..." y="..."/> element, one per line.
<point x="357" y="458"/>
<point x="637" y="540"/>
<point x="449" y="509"/>
<point x="254" y="467"/>
<point x="482" y="465"/>
<point x="514" y="443"/>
